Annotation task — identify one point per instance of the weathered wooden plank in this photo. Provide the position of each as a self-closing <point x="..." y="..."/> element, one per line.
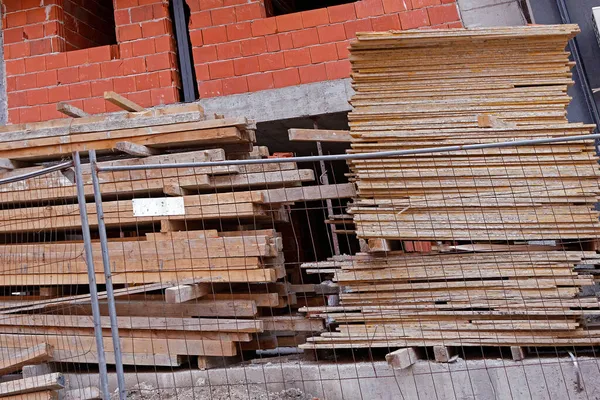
<point x="54" y="381"/>
<point x="70" y="110"/>
<point x="319" y="135"/>
<point x="33" y="355"/>
<point x="136" y="150"/>
<point x="183" y="293"/>
<point x="122" y="102"/>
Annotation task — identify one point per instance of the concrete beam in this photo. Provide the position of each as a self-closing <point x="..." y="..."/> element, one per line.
<point x="534" y="379"/>
<point x="486" y="13"/>
<point x="285" y="103"/>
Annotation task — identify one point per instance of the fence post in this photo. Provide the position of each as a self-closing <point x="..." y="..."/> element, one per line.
<point x="89" y="258"/>
<point x="112" y="310"/>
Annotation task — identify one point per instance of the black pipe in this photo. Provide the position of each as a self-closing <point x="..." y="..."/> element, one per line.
<point x="574" y="48"/>
<point x="180" y="14"/>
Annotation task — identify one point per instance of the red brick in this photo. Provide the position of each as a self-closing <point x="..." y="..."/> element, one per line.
<point x="200" y="20"/>
<point x="272" y="43"/>
<point x="164" y="43"/>
<point x="258" y="82"/>
<point x="124" y="84"/>
<point x="361" y="25"/>
<point x="414" y="19"/>
<point x="210" y="88"/>
<point x="214" y="35"/>
<point x="11" y="83"/>
<point x="157" y="62"/>
<point x="33" y="32"/>
<point x="233" y="2"/>
<point x="164" y="96"/>
<point x="13" y="116"/>
<point x="205" y="54"/>
<point x="221" y="69"/>
<point x="17" y="99"/>
<point x="271" y="61"/>
<point x="101" y="86"/>
<point x="341" y="13"/>
<point x="38" y="15"/>
<point x="156" y="28"/>
<point x="223" y="16"/>
<point x="16" y="19"/>
<point x="209" y="4"/>
<point x="305" y="37"/>
<point x="338" y="69"/>
<point x="245" y="66"/>
<point x="39" y="47"/>
<point x="326" y="52"/>
<point x="68" y="75"/>
<point x="147" y="81"/>
<point x="250" y="12"/>
<point x="143" y="47"/>
<point x="129" y="32"/>
<point x="80" y="90"/>
<point x="49" y="112"/>
<point x="15" y="67"/>
<point x="143" y="13"/>
<point x="112" y="68"/>
<point x="89" y="72"/>
<point x="126" y="49"/>
<point x="196" y="38"/>
<point x="313" y="73"/>
<point x="286" y="77"/>
<point x="386" y="23"/>
<point x="296" y="58"/>
<point x="343" y="50"/>
<point x="169" y="79"/>
<point x="254" y="46"/>
<point x="454" y="25"/>
<point x="288" y="22"/>
<point x="14" y="35"/>
<point x="285" y="41"/>
<point x="425" y="3"/>
<point x="443" y="14"/>
<point x="144" y="98"/>
<point x="55" y="61"/>
<point x="122" y="17"/>
<point x="133" y="66"/>
<point x="202" y="73"/>
<point x="226" y="51"/>
<point x="19" y="50"/>
<point x="160" y="9"/>
<point x="315" y="17"/>
<point x="94" y="106"/>
<point x="126" y="3"/>
<point x="102" y="53"/>
<point x="239" y="31"/>
<point x="29" y="114"/>
<point x="368" y="8"/>
<point x="265" y="26"/>
<point x="58" y="93"/>
<point x="37" y="96"/>
<point x="235" y="85"/>
<point x="331" y="33"/>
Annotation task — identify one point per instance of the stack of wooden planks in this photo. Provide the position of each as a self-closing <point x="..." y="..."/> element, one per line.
<point x="200" y="286"/>
<point x="456" y="87"/>
<point x="508" y="268"/>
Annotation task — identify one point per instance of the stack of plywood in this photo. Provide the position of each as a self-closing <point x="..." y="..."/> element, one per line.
<point x="482" y="283"/>
<point x="206" y="284"/>
<point x="456" y="87"/>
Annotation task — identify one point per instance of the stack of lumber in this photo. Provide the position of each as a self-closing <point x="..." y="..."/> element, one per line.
<point x="200" y="287"/>
<point x="485" y="282"/>
<point x="453" y="87"/>
<point x="524" y="298"/>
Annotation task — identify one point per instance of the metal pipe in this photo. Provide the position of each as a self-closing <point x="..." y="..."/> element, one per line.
<point x="89" y="258"/>
<point x="110" y="295"/>
<point x="34" y="174"/>
<point x="355" y="156"/>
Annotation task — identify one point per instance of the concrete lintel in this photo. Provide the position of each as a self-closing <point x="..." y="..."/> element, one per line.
<point x="285" y="103"/>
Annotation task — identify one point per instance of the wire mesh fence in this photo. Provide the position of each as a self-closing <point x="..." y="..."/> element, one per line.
<point x="228" y="283"/>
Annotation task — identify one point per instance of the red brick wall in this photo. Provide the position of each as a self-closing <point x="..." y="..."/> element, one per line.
<point x="237" y="49"/>
<point x="41" y="72"/>
<point x="88" y="23"/>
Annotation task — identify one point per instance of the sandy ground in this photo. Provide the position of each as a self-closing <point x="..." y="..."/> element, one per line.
<point x="202" y="391"/>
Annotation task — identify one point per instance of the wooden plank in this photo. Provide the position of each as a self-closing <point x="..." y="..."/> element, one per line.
<point x="122" y="102"/>
<point x="136" y="150"/>
<point x="183" y="293"/>
<point x="33" y="355"/>
<point x="42" y="395"/>
<point x="86" y="393"/>
<point x="402" y="358"/>
<point x="70" y="110"/>
<point x="319" y="135"/>
<point x="53" y="381"/>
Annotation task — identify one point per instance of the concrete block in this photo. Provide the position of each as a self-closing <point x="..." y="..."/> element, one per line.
<point x="504" y="14"/>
